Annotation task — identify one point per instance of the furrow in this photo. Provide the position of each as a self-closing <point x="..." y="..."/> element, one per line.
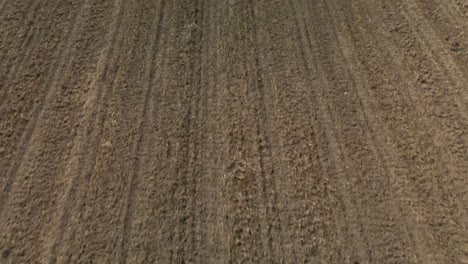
<point x="392" y="225"/>
<point x="212" y="241"/>
<point x="264" y="151"/>
<point x="429" y="101"/>
<point x="16" y="26"/>
<point x="346" y="219"/>
<point x="134" y="181"/>
<point x="37" y="113"/>
<point x="95" y="110"/>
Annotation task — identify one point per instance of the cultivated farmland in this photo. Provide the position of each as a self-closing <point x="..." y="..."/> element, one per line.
<point x="234" y="131"/>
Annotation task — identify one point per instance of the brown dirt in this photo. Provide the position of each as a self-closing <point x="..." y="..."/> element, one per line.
<point x="235" y="131"/>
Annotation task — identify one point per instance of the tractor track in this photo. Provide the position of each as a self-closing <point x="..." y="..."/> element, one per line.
<point x="234" y="131"/>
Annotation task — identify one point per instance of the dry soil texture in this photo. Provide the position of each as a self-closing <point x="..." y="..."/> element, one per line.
<point x="234" y="131"/>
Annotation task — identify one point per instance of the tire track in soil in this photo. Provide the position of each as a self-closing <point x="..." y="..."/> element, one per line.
<point x="136" y="164"/>
<point x="142" y="232"/>
<point x="431" y="81"/>
<point x="248" y="168"/>
<point x="243" y="220"/>
<point x="397" y="246"/>
<point x="178" y="199"/>
<point x="86" y="126"/>
<point x="63" y="107"/>
<point x="37" y="114"/>
<point x="92" y="136"/>
<point x="432" y="40"/>
<point x="73" y="80"/>
<point x="265" y="142"/>
<point x="17" y="16"/>
<point x="211" y="222"/>
<point x="370" y="80"/>
<point x="427" y="124"/>
<point x="171" y="114"/>
<point x="370" y="120"/>
<point x="345" y="230"/>
<point x="10" y="28"/>
<point x="258" y="131"/>
<point x="223" y="50"/>
<point x="386" y="99"/>
<point x="8" y="47"/>
<point x="22" y="99"/>
<point x="390" y="106"/>
<point x="367" y="151"/>
<point x="305" y="194"/>
<point x="199" y="191"/>
<point x="38" y="11"/>
<point x="193" y="151"/>
<point x="123" y="89"/>
<point x="455" y="147"/>
<point x="437" y="116"/>
<point x="447" y="39"/>
<point x="304" y="190"/>
<point x="200" y="200"/>
<point x="172" y="135"/>
<point x="188" y="172"/>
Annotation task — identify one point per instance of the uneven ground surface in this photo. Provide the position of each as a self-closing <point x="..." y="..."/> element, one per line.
<point x="234" y="131"/>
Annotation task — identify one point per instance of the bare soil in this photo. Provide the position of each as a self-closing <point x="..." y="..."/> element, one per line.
<point x="235" y="131"/>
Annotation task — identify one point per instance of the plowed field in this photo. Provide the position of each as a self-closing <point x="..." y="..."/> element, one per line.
<point x="234" y="131"/>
